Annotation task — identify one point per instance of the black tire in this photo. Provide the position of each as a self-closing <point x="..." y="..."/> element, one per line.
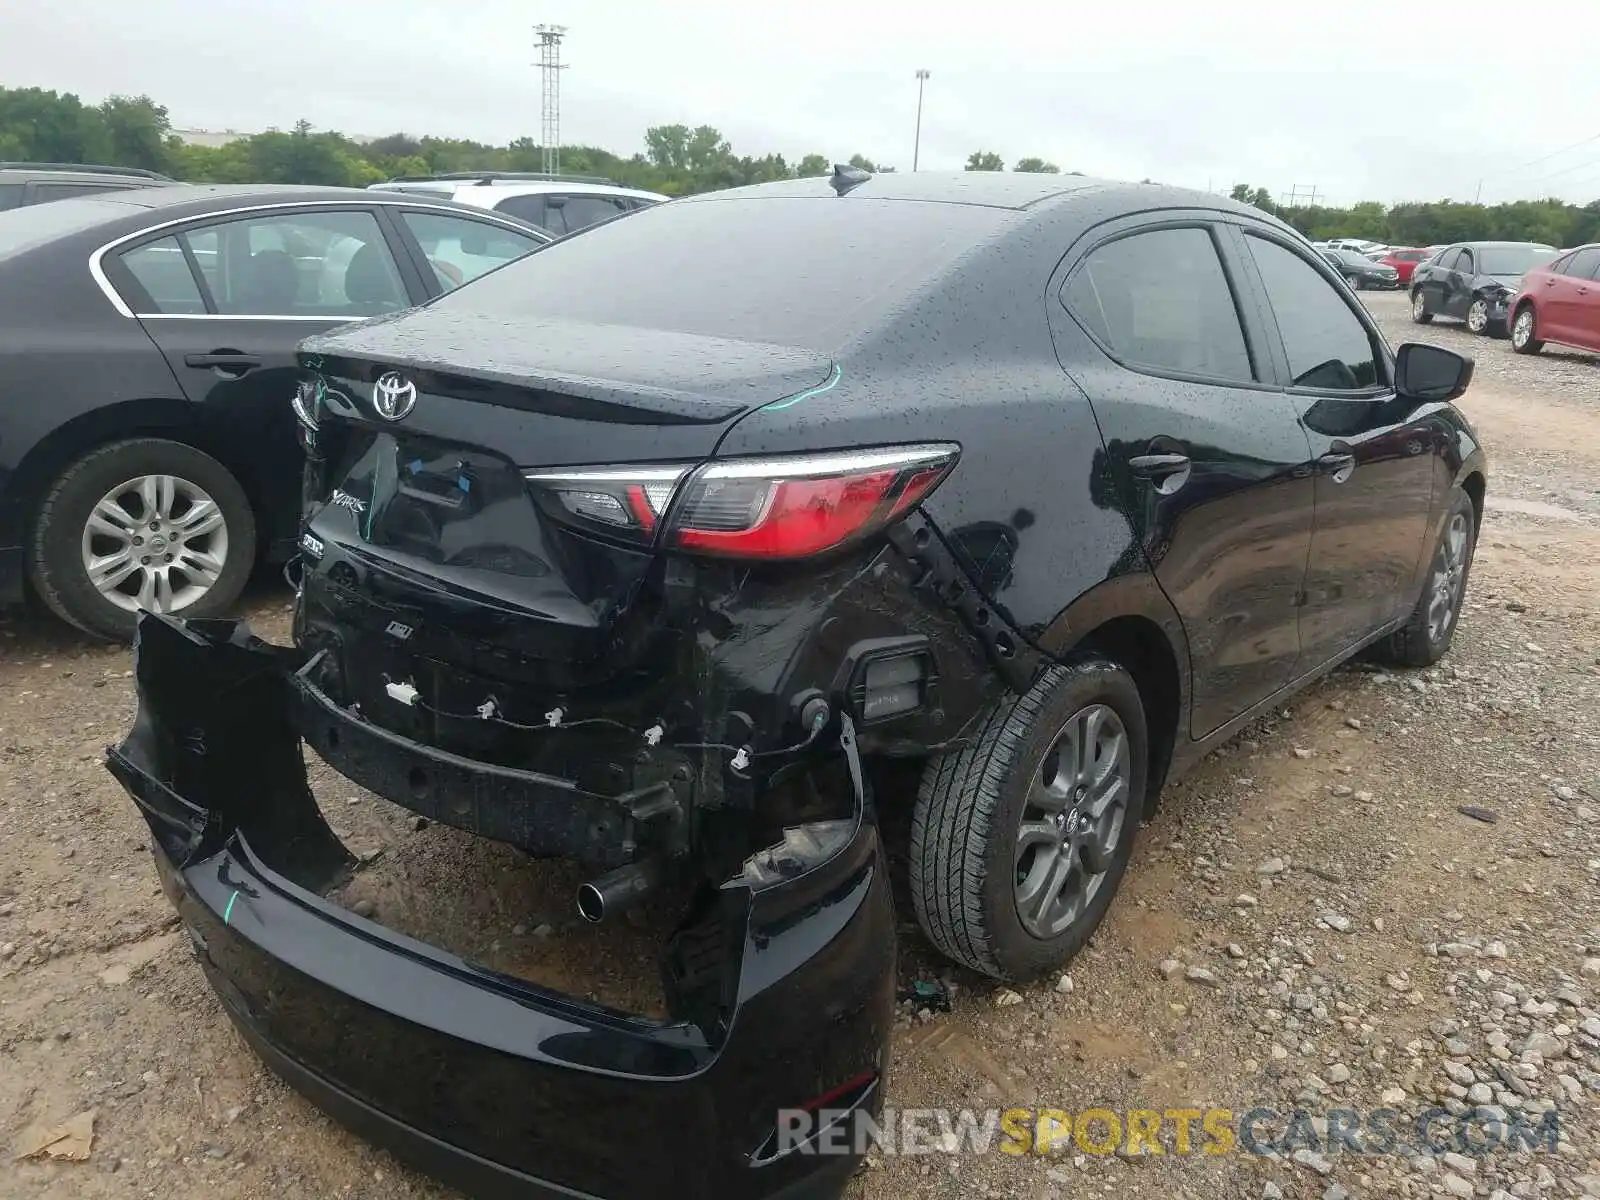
<point x="56" y="556"/>
<point x="1478" y="311"/>
<point x="1419" y="308"/>
<point x="968" y="816"/>
<point x="1356" y="282"/>
<point x="1525" y="342"/>
<point x="1419" y="643"/>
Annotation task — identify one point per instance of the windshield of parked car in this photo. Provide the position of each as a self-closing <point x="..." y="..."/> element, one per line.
<point x="1512" y="260"/>
<point x="811" y="273"/>
<point x="24" y="228"/>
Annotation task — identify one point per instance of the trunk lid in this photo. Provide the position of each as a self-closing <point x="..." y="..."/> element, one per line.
<point x="424" y="541"/>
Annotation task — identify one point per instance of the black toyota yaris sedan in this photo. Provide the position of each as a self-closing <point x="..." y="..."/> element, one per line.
<point x="650" y="549"/>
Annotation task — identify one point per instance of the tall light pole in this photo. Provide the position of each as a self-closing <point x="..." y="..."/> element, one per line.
<point x="916" y="146"/>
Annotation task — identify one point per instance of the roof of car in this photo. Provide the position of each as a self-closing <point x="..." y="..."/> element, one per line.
<point x="995" y="189"/>
<point x="1491" y="245"/>
<point x="511" y="187"/>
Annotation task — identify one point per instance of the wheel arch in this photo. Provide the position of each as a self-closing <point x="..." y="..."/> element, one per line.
<point x="1129" y="620"/>
<point x="161" y="417"/>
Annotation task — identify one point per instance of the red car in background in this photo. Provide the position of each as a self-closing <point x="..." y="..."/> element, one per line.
<point x="1404" y="261"/>
<point x="1559" y="302"/>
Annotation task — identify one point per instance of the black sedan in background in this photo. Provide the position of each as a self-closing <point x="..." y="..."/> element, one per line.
<point x="147" y="338"/>
<point x="1474" y="282"/>
<point x="1361" y="272"/>
<point x="1030" y="488"/>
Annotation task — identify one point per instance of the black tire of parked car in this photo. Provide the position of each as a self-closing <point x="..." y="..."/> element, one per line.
<point x="968" y="817"/>
<point x="1525" y="331"/>
<point x="1417" y="643"/>
<point x="1419" y="308"/>
<point x="56" y="565"/>
<point x="1357" y="282"/>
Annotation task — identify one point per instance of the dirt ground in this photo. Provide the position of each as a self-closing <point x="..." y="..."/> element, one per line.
<point x="1310" y="917"/>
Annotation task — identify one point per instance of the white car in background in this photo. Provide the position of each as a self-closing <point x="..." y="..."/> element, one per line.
<point x="561" y="204"/>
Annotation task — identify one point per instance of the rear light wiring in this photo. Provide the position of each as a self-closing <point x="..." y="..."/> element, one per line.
<point x="779" y="508"/>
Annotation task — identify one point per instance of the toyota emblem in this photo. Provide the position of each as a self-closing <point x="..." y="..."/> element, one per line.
<point x="393" y="396"/>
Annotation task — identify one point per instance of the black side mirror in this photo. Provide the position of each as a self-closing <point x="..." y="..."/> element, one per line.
<point x="1431" y="373"/>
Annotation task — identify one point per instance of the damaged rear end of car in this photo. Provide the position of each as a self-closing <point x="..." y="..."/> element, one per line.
<point x="535" y="604"/>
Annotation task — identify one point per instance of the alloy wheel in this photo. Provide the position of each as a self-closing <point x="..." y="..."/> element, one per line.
<point x="1073" y="820"/>
<point x="1448" y="579"/>
<point x="1478" y="316"/>
<point x="1419" y="306"/>
<point x="156" y="542"/>
<point x="1522" y="329"/>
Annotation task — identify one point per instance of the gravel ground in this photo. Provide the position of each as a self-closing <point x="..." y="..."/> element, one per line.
<point x="1311" y="920"/>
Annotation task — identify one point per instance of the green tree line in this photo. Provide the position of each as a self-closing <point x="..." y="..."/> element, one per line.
<point x="134" y="131"/>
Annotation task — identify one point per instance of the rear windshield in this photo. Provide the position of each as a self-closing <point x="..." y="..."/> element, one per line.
<point x="1512" y="260"/>
<point x="24" y="228"/>
<point x="1408" y="255"/>
<point x="811" y="273"/>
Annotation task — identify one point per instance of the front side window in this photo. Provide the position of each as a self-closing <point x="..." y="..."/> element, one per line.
<point x="1161" y="300"/>
<point x="1328" y="346"/>
<point x="1466" y="264"/>
<point x="304" y="264"/>
<point x="162" y="271"/>
<point x="1585" y="264"/>
<point x="459" y="249"/>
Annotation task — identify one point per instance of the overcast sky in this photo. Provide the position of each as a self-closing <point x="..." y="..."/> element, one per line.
<point x="1367" y="99"/>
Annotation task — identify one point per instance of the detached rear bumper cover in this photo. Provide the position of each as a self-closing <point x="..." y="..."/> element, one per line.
<point x="488" y="1082"/>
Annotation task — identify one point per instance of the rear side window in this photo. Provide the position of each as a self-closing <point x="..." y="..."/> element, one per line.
<point x="1161" y="300"/>
<point x="1327" y="345"/>
<point x="459" y="250"/>
<point x="1584" y="263"/>
<point x="43" y="192"/>
<point x="163" y="272"/>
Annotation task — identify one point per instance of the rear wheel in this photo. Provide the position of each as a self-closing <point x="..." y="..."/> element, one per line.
<point x="1419" y="308"/>
<point x="1524" y="328"/>
<point x="1020" y="839"/>
<point x="146" y="524"/>
<point x="1426" y="636"/>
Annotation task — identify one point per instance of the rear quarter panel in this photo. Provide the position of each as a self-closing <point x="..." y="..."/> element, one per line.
<point x="972" y="361"/>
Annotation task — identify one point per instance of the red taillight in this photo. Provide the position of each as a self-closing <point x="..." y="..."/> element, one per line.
<point x="625" y="502"/>
<point x="785" y="507"/>
<point x="797" y="506"/>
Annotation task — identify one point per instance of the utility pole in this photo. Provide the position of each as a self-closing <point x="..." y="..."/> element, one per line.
<point x="550" y="68"/>
<point x="916" y="145"/>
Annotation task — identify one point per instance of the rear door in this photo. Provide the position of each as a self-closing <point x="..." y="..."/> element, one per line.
<point x="228" y="298"/>
<point x="1435" y="276"/>
<point x="1207" y="453"/>
<point x="1370" y="450"/>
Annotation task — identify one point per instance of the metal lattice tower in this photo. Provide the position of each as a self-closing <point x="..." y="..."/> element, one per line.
<point x="550" y="68"/>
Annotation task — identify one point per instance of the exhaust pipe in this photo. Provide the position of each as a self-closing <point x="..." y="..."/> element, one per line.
<point x="617" y="890"/>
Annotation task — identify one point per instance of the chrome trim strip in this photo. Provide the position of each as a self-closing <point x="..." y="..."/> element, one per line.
<point x="604" y="475"/>
<point x="847" y="462"/>
<point x="97" y="272"/>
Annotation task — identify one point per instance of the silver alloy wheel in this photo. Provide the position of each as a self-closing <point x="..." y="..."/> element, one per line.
<point x="1449" y="575"/>
<point x="1522" y="331"/>
<point x="1354" y="281"/>
<point x="1419" y="306"/>
<point x="1478" y="316"/>
<point x="156" y="542"/>
<point x="1072" y="820"/>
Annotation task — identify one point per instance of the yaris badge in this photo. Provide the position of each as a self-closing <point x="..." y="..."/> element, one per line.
<point x="393" y="396"/>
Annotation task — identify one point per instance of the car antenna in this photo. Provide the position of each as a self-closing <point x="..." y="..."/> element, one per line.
<point x="847" y="176"/>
